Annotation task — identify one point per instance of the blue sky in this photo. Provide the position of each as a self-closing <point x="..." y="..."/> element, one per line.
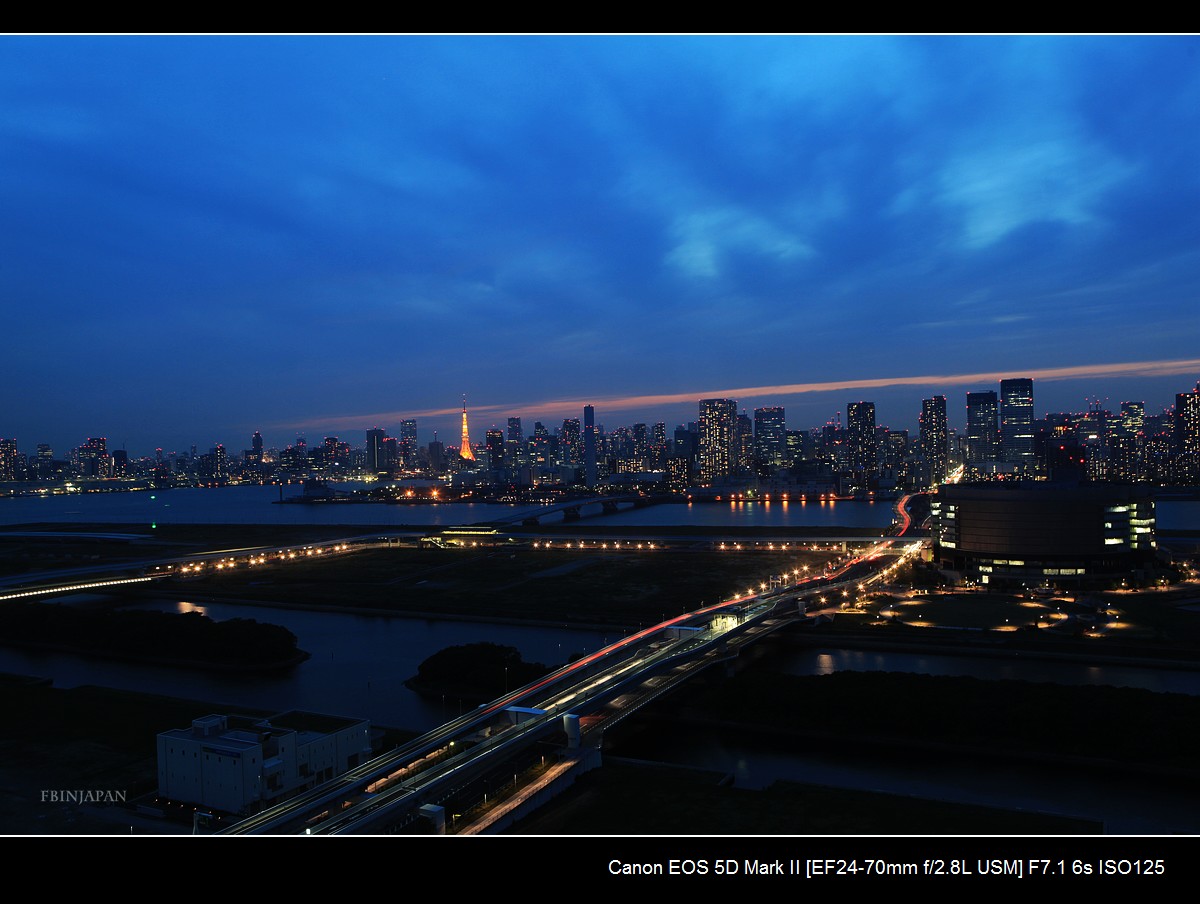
<point x="204" y="236"/>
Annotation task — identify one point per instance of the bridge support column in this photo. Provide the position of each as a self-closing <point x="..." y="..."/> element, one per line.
<point x="571" y="727"/>
<point x="844" y="545"/>
<point x="436" y="816"/>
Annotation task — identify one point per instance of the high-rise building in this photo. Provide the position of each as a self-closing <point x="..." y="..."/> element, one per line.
<point x="465" y="451"/>
<point x="934" y="435"/>
<point x="539" y="445"/>
<point x="718" y="437"/>
<point x="1016" y="421"/>
<point x="589" y="445"/>
<point x="1133" y="417"/>
<point x="860" y="435"/>
<point x="744" y="445"/>
<point x="495" y="448"/>
<point x="983" y="427"/>
<point x="92" y="457"/>
<point x="407" y="446"/>
<point x="437" y="455"/>
<point x="658" y="446"/>
<point x="8" y="459"/>
<point x="770" y="437"/>
<point x="376" y="463"/>
<point x="569" y="452"/>
<point x="1187" y="437"/>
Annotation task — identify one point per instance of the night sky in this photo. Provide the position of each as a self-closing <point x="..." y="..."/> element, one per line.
<point x="205" y="236"/>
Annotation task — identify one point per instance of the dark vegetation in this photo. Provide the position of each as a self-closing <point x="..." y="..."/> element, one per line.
<point x="477" y="672"/>
<point x="187" y="639"/>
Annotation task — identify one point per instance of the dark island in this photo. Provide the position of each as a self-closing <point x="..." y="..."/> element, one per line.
<point x="188" y="639"/>
<point x="475" y="672"/>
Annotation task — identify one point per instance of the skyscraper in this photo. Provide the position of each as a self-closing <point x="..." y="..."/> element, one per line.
<point x="376" y="456"/>
<point x="1016" y="421"/>
<point x="407" y="446"/>
<point x="465" y="451"/>
<point x="589" y="445"/>
<point x="495" y="448"/>
<point x="718" y="435"/>
<point x="860" y="430"/>
<point x="1133" y="417"/>
<point x="1187" y="437"/>
<point x="770" y="437"/>
<point x="983" y="428"/>
<point x="8" y="459"/>
<point x="568" y="442"/>
<point x="934" y="433"/>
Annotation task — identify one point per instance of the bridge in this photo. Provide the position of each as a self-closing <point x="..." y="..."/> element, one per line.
<point x="572" y="509"/>
<point x="440" y="777"/>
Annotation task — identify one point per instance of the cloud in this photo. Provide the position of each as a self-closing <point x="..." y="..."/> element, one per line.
<point x="618" y="404"/>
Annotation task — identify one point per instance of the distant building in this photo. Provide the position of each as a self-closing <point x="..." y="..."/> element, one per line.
<point x="1016" y="421"/>
<point x="934" y="435"/>
<point x="569" y="452"/>
<point x="495" y="448"/>
<point x="8" y="459"/>
<point x="92" y="458"/>
<point x="1133" y="418"/>
<point x="376" y="454"/>
<point x="1187" y="437"/>
<point x="718" y="438"/>
<point x="770" y="437"/>
<point x="589" y="445"/>
<point x="237" y="764"/>
<point x="406" y="447"/>
<point x="860" y="435"/>
<point x="983" y="428"/>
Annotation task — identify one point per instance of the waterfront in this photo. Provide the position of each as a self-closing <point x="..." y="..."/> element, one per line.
<point x="359" y="664"/>
<point x="254" y="504"/>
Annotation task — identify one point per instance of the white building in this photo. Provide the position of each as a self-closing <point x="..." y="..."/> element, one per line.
<point x="237" y="764"/>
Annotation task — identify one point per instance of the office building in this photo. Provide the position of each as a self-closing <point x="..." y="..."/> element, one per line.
<point x="1187" y="437"/>
<point x="589" y="445"/>
<point x="770" y="437"/>
<point x="983" y="428"/>
<point x="860" y="437"/>
<point x="1016" y="421"/>
<point x="376" y="456"/>
<point x="718" y="439"/>
<point x="934" y="434"/>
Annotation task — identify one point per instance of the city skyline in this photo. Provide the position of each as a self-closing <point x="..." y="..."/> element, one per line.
<point x="212" y="235"/>
<point x="957" y="421"/>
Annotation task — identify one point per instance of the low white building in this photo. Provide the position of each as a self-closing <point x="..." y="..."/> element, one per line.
<point x="239" y="764"/>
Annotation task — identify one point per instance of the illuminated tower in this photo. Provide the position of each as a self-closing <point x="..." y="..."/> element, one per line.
<point x="589" y="445"/>
<point x="465" y="450"/>
<point x="934" y="433"/>
<point x="1016" y="421"/>
<point x="864" y="452"/>
<point x="718" y="434"/>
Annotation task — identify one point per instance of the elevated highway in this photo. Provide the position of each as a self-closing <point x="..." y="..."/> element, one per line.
<point x="570" y="707"/>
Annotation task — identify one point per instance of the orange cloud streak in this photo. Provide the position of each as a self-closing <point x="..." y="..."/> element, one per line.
<point x="610" y="404"/>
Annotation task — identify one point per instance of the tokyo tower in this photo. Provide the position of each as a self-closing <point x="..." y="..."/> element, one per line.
<point x="465" y="450"/>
